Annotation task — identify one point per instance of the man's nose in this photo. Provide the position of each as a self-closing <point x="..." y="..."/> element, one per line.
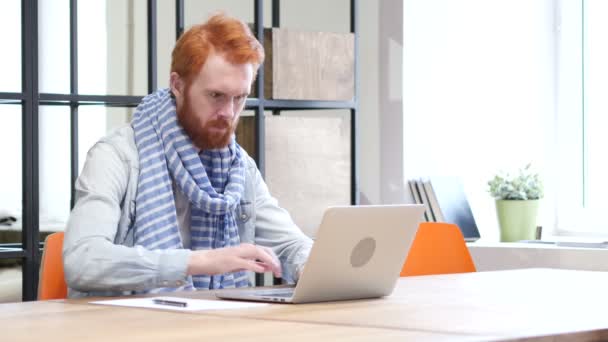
<point x="227" y="110"/>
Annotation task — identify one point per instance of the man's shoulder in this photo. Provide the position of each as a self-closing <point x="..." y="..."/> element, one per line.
<point x="250" y="164"/>
<point x="122" y="140"/>
<point x="121" y="133"/>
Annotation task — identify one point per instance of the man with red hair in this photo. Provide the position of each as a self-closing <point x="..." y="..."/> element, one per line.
<point x="171" y="201"/>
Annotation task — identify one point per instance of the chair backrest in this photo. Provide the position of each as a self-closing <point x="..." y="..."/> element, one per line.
<point x="51" y="283"/>
<point x="438" y="248"/>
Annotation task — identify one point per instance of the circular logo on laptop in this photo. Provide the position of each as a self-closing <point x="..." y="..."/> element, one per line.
<point x="363" y="252"/>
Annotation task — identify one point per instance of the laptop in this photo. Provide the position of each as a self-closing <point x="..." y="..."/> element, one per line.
<point x="358" y="253"/>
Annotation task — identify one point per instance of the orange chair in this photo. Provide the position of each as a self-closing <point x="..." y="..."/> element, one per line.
<point x="438" y="248"/>
<point x="51" y="283"/>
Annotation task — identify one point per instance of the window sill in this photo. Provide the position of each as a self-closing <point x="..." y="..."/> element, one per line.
<point x="50" y="226"/>
<point x="491" y="256"/>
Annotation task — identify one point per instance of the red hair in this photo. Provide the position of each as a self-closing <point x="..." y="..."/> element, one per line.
<point x="221" y="34"/>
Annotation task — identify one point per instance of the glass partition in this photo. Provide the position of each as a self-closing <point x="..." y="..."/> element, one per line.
<point x="112" y="47"/>
<point x="10" y="172"/>
<point x="54" y="162"/>
<point x="95" y="122"/>
<point x="54" y="46"/>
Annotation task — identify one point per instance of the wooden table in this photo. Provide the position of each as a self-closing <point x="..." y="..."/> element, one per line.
<point x="529" y="304"/>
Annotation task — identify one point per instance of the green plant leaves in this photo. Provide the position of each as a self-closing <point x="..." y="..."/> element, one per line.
<point x="525" y="185"/>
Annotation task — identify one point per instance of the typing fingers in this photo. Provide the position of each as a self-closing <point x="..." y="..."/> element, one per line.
<point x="276" y="262"/>
<point x="253" y="266"/>
<point x="261" y="255"/>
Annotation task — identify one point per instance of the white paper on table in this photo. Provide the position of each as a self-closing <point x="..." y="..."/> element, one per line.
<point x="191" y="304"/>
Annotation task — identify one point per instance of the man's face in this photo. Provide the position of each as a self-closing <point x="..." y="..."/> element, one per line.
<point x="208" y="107"/>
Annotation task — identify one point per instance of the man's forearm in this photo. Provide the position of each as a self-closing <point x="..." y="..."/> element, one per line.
<point x="98" y="265"/>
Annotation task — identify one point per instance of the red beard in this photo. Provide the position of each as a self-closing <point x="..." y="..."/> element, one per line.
<point x="216" y="133"/>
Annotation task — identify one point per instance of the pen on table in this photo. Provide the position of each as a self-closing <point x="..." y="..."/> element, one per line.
<point x="170" y="302"/>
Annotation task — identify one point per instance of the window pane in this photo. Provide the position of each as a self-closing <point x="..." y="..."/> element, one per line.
<point x="11" y="170"/>
<point x="54" y="46"/>
<point x="197" y="11"/>
<point x="330" y="16"/>
<point x="10" y="201"/>
<point x="10" y="59"/>
<point x="54" y="159"/>
<point x="112" y="47"/>
<point x="596" y="103"/>
<point x="165" y="40"/>
<point x="95" y="122"/>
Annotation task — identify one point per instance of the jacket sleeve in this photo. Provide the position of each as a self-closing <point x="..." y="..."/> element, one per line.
<point x="92" y="262"/>
<point x="275" y="229"/>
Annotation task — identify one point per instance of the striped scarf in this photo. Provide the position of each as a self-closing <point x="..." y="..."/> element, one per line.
<point x="212" y="180"/>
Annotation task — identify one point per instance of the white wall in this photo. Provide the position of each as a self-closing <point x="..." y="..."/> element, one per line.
<point x="369" y="109"/>
<point x="390" y="137"/>
<point x="478" y="84"/>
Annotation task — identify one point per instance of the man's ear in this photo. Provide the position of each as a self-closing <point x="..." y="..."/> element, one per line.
<point x="176" y="83"/>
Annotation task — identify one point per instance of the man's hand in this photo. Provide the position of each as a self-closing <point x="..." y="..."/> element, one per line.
<point x="231" y="259"/>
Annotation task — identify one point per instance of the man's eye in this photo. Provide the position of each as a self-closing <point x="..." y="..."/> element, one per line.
<point x="216" y="96"/>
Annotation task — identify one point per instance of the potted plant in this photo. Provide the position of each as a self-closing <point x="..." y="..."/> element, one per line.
<point x="517" y="200"/>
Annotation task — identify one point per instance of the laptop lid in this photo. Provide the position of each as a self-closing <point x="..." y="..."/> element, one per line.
<point x="358" y="253"/>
